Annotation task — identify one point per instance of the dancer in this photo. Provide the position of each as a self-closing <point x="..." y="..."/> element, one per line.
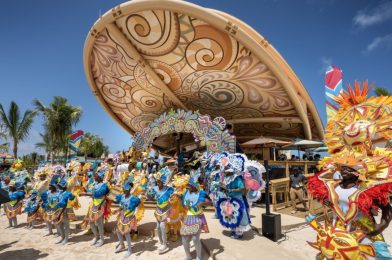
<point x="366" y="181"/>
<point x="162" y="194"/>
<point x="99" y="208"/>
<point x="61" y="215"/>
<point x="195" y="221"/>
<point x="14" y="206"/>
<point x="4" y="184"/>
<point x="49" y="200"/>
<point x="126" y="219"/>
<point x="32" y="207"/>
<point x="232" y="185"/>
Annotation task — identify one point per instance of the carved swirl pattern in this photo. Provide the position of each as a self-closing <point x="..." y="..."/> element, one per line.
<point x="206" y="68"/>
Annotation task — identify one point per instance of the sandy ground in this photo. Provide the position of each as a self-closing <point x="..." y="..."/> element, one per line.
<point x="21" y="243"/>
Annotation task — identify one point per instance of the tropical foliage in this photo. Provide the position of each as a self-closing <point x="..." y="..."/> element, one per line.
<point x="92" y="146"/>
<point x="59" y="118"/>
<point x="380" y="91"/>
<point x="16" y="127"/>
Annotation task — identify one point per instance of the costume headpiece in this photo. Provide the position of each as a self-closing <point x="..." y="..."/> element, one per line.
<point x="163" y="175"/>
<point x="194" y="179"/>
<point x="101" y="173"/>
<point x="128" y="183"/>
<point x="59" y="169"/>
<point x="139" y="165"/>
<point x="54" y="180"/>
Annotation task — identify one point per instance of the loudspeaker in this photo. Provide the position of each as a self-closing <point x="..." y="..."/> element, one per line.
<point x="271" y="226"/>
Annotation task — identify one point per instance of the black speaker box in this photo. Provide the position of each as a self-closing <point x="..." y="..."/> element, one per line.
<point x="271" y="226"/>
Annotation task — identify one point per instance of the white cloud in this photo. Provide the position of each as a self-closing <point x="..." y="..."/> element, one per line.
<point x="379" y="42"/>
<point x="325" y="61"/>
<point x="377" y="15"/>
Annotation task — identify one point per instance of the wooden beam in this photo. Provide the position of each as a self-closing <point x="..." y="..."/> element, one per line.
<point x="116" y="33"/>
<point x="265" y="120"/>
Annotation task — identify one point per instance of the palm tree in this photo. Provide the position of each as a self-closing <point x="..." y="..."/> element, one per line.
<point x="34" y="157"/>
<point x="92" y="145"/>
<point x="380" y="91"/>
<point x="17" y="128"/>
<point x="45" y="144"/>
<point x="59" y="117"/>
<point x="87" y="144"/>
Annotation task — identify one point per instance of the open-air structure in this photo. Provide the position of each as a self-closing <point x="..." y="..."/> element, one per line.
<point x="144" y="58"/>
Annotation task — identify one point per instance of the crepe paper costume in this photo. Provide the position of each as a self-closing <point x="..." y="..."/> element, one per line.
<point x="253" y="180"/>
<point x="163" y="207"/>
<point x="99" y="209"/>
<point x="177" y="211"/>
<point x="14" y="206"/>
<point x="350" y="135"/>
<point x="195" y="221"/>
<point x="233" y="211"/>
<point x="32" y="208"/>
<point x="99" y="206"/>
<point x="127" y="217"/>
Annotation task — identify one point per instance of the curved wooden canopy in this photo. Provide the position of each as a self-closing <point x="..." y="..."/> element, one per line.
<point x="144" y="57"/>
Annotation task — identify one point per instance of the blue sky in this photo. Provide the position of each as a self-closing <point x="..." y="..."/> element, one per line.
<point x="41" y="48"/>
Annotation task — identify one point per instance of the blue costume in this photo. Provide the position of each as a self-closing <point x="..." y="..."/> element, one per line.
<point x="99" y="209"/>
<point x="99" y="192"/>
<point x="14" y="206"/>
<point x="127" y="220"/>
<point x="233" y="209"/>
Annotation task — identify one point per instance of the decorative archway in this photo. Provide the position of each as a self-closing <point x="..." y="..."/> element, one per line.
<point x="210" y="133"/>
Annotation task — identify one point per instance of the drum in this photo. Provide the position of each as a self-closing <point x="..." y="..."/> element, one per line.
<point x="114" y="191"/>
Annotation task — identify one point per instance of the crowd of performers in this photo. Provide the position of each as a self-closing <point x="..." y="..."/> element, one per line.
<point x="120" y="186"/>
<point x="355" y="184"/>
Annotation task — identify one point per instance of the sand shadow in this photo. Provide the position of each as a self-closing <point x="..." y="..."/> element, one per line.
<point x="5" y="246"/>
<point x="214" y="246"/>
<point x="248" y="235"/>
<point x="29" y="253"/>
<point x="145" y="244"/>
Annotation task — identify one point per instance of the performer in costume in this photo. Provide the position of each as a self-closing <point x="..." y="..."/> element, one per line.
<point x="4" y="184"/>
<point x="49" y="200"/>
<point x="162" y="194"/>
<point x="32" y="207"/>
<point x="366" y="179"/>
<point x="233" y="210"/>
<point x="42" y="184"/>
<point x="177" y="211"/>
<point x="195" y="221"/>
<point x="99" y="208"/>
<point x="14" y="206"/>
<point x="214" y="185"/>
<point x="62" y="212"/>
<point x="126" y="219"/>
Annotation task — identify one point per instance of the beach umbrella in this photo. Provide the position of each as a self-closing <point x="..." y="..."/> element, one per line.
<point x="302" y="144"/>
<point x="321" y="149"/>
<point x="263" y="141"/>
